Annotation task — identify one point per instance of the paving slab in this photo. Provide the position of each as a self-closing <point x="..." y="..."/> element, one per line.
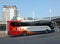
<point x="3" y="34"/>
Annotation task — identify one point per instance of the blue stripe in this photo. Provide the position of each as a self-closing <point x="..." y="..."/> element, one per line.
<point x="43" y="31"/>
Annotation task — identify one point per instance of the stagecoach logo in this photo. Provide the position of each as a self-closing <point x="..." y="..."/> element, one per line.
<point x="18" y="29"/>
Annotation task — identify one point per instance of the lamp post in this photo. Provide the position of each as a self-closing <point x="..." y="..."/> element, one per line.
<point x="50" y="14"/>
<point x="33" y="15"/>
<point x="6" y="25"/>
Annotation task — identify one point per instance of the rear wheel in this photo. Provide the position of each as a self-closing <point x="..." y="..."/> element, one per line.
<point x="24" y="33"/>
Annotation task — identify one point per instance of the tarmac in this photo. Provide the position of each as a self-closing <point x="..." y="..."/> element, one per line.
<point x="4" y="33"/>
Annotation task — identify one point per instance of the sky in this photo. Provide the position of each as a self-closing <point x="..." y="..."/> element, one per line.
<point x="41" y="8"/>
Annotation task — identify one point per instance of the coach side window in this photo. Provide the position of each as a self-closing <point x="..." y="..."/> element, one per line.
<point x="25" y="24"/>
<point x="15" y="24"/>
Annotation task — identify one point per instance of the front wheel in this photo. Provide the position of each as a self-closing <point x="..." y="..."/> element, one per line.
<point x="46" y="31"/>
<point x="24" y="33"/>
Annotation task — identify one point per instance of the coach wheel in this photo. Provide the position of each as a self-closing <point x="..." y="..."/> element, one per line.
<point x="46" y="31"/>
<point x="24" y="33"/>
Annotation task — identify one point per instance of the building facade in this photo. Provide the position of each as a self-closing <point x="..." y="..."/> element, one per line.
<point x="9" y="12"/>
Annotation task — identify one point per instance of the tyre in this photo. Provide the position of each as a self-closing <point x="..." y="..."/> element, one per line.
<point x="46" y="31"/>
<point x="24" y="33"/>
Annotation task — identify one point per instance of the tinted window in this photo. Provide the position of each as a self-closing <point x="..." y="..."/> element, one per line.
<point x="15" y="24"/>
<point x="32" y="24"/>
